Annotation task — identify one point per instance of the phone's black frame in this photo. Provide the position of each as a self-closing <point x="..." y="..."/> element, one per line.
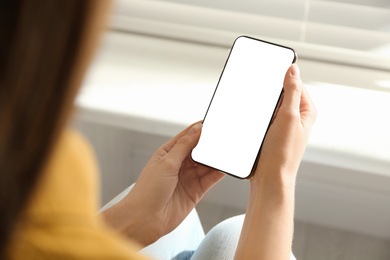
<point x="273" y="114"/>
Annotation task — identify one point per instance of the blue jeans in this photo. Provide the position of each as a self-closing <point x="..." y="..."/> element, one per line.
<point x="220" y="243"/>
<point x="185" y="255"/>
<point x="188" y="240"/>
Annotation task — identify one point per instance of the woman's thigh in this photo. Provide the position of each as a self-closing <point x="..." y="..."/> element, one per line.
<point x="222" y="240"/>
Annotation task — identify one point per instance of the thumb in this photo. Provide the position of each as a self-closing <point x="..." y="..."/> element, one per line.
<point x="186" y="143"/>
<point x="293" y="88"/>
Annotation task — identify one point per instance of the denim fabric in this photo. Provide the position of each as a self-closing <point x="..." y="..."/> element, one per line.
<point x="220" y="243"/>
<point x="185" y="255"/>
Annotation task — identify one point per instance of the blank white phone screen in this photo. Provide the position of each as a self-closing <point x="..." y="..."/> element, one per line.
<point x="242" y="106"/>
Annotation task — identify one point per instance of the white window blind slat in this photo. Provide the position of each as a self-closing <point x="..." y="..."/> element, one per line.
<point x="350" y="15"/>
<point x="331" y="31"/>
<point x="373" y="3"/>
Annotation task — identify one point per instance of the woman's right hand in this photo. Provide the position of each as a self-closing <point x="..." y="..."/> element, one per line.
<point x="289" y="132"/>
<point x="268" y="226"/>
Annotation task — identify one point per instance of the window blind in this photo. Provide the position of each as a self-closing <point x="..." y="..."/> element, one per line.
<point x="352" y="32"/>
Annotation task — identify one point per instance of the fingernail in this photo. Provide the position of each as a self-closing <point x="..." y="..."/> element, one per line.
<point x="196" y="128"/>
<point x="295" y="70"/>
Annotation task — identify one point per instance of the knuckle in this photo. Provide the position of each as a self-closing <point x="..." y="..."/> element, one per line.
<point x="185" y="139"/>
<point x="170" y="162"/>
<point x="297" y="86"/>
<point x="291" y="115"/>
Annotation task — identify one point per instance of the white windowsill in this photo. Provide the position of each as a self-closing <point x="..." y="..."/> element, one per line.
<point x="160" y="86"/>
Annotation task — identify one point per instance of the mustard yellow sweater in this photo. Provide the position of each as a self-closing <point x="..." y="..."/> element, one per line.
<point x="60" y="221"/>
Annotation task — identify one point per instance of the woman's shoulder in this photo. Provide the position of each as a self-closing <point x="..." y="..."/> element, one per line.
<point x="69" y="182"/>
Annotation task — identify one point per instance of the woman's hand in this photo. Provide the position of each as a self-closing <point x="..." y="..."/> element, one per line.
<point x="167" y="190"/>
<point x="268" y="226"/>
<point x="289" y="132"/>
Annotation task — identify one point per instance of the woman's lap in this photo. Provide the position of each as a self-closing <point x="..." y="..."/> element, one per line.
<point x="220" y="242"/>
<point x="188" y="241"/>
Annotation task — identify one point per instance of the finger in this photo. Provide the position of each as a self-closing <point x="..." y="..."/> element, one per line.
<point x="186" y="143"/>
<point x="171" y="143"/>
<point x="293" y="88"/>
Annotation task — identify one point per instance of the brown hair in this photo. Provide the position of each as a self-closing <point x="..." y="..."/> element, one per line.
<point x="45" y="47"/>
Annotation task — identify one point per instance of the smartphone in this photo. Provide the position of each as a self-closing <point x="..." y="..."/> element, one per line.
<point x="242" y="106"/>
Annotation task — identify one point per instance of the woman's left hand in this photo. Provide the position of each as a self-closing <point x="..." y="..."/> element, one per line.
<point x="168" y="188"/>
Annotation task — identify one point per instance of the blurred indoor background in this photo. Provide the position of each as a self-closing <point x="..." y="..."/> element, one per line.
<point x="159" y="63"/>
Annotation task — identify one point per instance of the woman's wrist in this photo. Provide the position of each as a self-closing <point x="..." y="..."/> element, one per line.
<point x="277" y="185"/>
<point x="268" y="224"/>
<point x="130" y="223"/>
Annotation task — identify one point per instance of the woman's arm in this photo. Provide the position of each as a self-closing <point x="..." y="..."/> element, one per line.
<point x="268" y="227"/>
